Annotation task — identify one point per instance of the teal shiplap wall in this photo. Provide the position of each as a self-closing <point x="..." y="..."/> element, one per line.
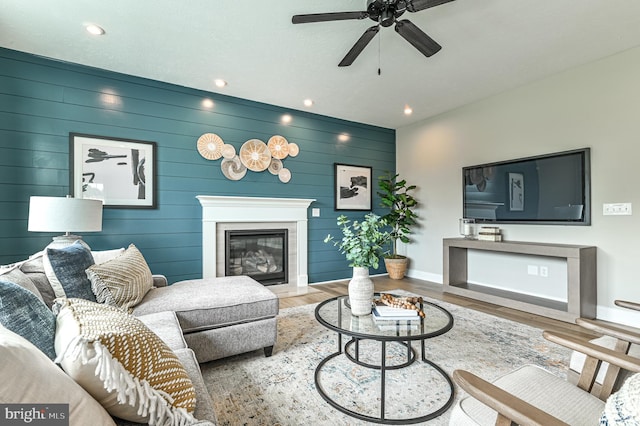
<point x="42" y="101"/>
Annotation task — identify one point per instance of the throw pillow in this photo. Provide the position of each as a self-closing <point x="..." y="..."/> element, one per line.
<point x="34" y="269"/>
<point x="122" y="364"/>
<point x="69" y="265"/>
<point x="16" y="276"/>
<point x="123" y="281"/>
<point x="28" y="376"/>
<point x="102" y="256"/>
<point x="23" y="313"/>
<point x="623" y="407"/>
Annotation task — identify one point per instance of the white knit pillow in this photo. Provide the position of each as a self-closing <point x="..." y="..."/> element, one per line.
<point x="122" y="281"/>
<point x="623" y="407"/>
<point x="122" y="364"/>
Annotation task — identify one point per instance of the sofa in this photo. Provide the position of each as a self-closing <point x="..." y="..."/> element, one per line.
<point x="197" y="320"/>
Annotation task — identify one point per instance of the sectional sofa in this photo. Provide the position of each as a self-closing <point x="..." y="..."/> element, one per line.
<point x="195" y="321"/>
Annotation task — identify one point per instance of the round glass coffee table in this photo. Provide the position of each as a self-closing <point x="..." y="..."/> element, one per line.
<point x="335" y="315"/>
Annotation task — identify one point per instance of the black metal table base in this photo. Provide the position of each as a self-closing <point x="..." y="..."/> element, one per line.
<point x="411" y="357"/>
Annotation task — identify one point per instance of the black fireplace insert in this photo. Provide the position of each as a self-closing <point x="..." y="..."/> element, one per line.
<point x="259" y="253"/>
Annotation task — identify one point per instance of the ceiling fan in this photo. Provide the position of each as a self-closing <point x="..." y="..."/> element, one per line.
<point x="385" y="13"/>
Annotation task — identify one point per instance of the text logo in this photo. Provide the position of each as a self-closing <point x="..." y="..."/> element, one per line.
<point x="34" y="414"/>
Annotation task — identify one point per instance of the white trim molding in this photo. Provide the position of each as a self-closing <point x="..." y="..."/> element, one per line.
<point x="223" y="209"/>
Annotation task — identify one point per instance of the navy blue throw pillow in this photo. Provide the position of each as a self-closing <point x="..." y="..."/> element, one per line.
<point x="23" y="313"/>
<point x="69" y="264"/>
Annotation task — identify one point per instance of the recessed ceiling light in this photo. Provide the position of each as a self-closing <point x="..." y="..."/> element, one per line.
<point x="220" y="82"/>
<point x="207" y="103"/>
<point x="94" y="29"/>
<point x="343" y="137"/>
<point x="286" y="119"/>
<point x="407" y="110"/>
<point x="307" y="102"/>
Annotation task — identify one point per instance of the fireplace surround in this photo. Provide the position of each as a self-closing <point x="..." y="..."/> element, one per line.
<point x="222" y="213"/>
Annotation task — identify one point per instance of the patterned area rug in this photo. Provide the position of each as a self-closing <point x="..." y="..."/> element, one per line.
<point x="250" y="389"/>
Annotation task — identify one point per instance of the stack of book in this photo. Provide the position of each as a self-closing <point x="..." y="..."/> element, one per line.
<point x="382" y="312"/>
<point x="489" y="233"/>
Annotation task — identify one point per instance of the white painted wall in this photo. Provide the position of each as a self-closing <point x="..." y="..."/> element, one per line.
<point x="596" y="105"/>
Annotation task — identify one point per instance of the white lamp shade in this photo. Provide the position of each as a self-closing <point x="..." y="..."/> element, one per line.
<point x="59" y="214"/>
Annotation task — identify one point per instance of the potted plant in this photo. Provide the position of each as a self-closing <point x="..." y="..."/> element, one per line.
<point x="395" y="195"/>
<point x="362" y="243"/>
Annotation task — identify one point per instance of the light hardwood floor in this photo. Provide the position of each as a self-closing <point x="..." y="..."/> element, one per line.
<point x="293" y="296"/>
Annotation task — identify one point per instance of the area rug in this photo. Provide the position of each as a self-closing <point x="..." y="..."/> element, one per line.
<point x="250" y="389"/>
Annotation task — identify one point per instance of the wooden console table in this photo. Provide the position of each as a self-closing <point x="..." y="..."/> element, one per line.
<point x="581" y="277"/>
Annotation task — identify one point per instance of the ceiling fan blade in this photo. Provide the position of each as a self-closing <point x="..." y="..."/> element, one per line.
<point x="324" y="17"/>
<point x="359" y="46"/>
<point x="414" y="35"/>
<point x="418" y="5"/>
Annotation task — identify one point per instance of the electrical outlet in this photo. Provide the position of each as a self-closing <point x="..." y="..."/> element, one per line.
<point x="544" y="271"/>
<point x="616" y="209"/>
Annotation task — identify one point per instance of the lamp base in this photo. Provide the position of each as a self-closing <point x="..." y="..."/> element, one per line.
<point x="62" y="241"/>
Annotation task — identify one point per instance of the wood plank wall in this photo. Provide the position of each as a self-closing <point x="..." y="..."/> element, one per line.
<point x="42" y="101"/>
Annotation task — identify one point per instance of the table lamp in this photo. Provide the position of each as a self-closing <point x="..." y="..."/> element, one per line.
<point x="60" y="214"/>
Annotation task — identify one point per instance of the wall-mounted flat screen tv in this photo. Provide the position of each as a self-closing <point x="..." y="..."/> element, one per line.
<point x="552" y="189"/>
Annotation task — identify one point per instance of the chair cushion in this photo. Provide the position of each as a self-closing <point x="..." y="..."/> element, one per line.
<point x="69" y="265"/>
<point x="540" y="388"/>
<point x="29" y="376"/>
<point x="122" y="281"/>
<point x="24" y="313"/>
<point x="212" y="302"/>
<point x="122" y="364"/>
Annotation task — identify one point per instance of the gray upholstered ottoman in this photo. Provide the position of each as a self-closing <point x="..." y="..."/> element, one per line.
<point x="219" y="317"/>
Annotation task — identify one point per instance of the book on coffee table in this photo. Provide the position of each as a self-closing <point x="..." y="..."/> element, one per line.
<point x="388" y="313"/>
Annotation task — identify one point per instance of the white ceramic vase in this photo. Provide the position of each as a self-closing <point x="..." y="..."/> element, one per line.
<point x="360" y="292"/>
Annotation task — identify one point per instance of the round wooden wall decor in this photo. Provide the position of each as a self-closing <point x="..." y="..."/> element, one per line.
<point x="233" y="169"/>
<point x="255" y="155"/>
<point x="210" y="146"/>
<point x="278" y="146"/>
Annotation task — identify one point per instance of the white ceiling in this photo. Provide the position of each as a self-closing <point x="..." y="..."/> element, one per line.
<point x="488" y="46"/>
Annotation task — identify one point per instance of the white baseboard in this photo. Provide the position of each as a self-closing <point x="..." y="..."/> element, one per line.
<point x="426" y="276"/>
<point x="618" y="315"/>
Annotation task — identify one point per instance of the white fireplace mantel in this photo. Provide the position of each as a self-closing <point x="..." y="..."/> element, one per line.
<point x="223" y="209"/>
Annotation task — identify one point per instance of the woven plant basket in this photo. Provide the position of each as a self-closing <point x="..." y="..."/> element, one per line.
<point x="396" y="267"/>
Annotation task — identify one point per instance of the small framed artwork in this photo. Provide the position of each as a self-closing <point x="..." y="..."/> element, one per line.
<point x="352" y="187"/>
<point x="516" y="192"/>
<point x="120" y="172"/>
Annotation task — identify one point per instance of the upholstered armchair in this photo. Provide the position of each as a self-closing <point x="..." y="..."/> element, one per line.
<point x="531" y="395"/>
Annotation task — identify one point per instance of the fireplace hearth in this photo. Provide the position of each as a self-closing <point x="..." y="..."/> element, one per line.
<point x="259" y="253"/>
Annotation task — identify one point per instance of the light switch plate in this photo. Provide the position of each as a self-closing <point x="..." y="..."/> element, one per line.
<point x="315" y="212"/>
